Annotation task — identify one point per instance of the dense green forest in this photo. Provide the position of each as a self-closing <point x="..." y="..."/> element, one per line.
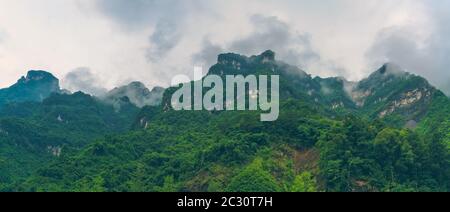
<point x="389" y="132"/>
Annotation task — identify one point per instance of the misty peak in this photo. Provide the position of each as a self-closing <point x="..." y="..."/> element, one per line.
<point x="230" y="58"/>
<point x="391" y="69"/>
<point x="268" y="55"/>
<point x="136" y="93"/>
<point x="385" y="74"/>
<point x="35" y="87"/>
<point x="137" y="85"/>
<point x="38" y="75"/>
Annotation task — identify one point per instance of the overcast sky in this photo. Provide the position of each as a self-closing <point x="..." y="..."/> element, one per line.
<point x="97" y="44"/>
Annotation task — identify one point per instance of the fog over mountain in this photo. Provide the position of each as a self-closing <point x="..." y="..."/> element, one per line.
<point x="367" y="136"/>
<point x="150" y="41"/>
<point x="82" y="79"/>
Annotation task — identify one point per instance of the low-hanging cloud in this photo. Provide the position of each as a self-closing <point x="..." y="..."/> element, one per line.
<point x="427" y="57"/>
<point x="167" y="18"/>
<point x="270" y="33"/>
<point x="132" y="14"/>
<point x="207" y="56"/>
<point x="165" y="37"/>
<point x="164" y="16"/>
<point x="153" y="40"/>
<point x="82" y="79"/>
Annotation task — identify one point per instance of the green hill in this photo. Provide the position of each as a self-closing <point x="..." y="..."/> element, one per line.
<point x="388" y="132"/>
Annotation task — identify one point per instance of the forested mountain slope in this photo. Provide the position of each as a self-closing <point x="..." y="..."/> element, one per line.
<point x="388" y="132"/>
<point x="33" y="133"/>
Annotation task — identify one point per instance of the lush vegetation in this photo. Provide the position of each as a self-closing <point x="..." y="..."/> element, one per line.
<point x="322" y="141"/>
<point x="33" y="134"/>
<point x="233" y="151"/>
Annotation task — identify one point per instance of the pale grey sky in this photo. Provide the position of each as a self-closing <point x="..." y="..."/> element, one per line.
<point x="113" y="42"/>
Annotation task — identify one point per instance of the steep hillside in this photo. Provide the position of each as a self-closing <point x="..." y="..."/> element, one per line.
<point x="33" y="134"/>
<point x="36" y="86"/>
<point x="395" y="95"/>
<point x="354" y="144"/>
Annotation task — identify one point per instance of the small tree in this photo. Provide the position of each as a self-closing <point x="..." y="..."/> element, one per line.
<point x="305" y="182"/>
<point x="94" y="184"/>
<point x="169" y="185"/>
<point x="253" y="178"/>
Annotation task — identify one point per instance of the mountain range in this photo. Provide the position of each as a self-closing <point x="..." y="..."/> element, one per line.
<point x="388" y="132"/>
<point x="390" y="93"/>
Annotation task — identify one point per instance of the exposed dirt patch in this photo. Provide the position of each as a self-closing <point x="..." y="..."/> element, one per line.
<point x="306" y="160"/>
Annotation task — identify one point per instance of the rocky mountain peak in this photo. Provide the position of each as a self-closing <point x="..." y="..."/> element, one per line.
<point x="38" y="76"/>
<point x="268" y="56"/>
<point x="35" y="86"/>
<point x="391" y="69"/>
